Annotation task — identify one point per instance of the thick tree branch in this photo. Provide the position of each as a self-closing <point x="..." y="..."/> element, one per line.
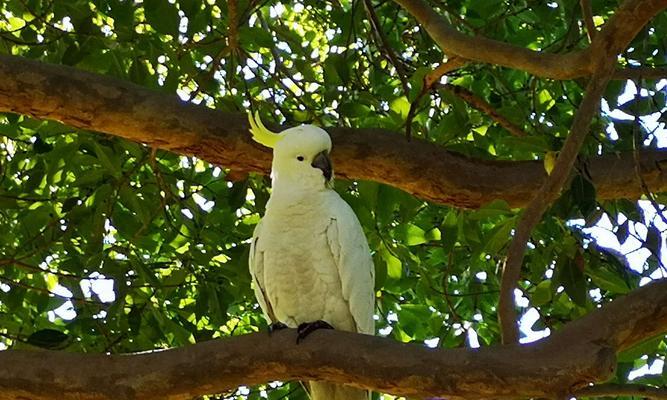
<point x="614" y="36"/>
<point x="581" y="353"/>
<point x="617" y="33"/>
<point x="615" y="390"/>
<point x="641" y="73"/>
<point x="104" y="104"/>
<point x="549" y="191"/>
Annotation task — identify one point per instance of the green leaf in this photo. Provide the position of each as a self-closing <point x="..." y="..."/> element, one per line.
<point x="653" y="240"/>
<point x="128" y="198"/>
<point x="122" y="13"/>
<point x="134" y="320"/>
<point x="607" y="280"/>
<point x="451" y="126"/>
<point x="545" y="100"/>
<point x="108" y="160"/>
<point x="646" y="347"/>
<point x="411" y="235"/>
<point x="138" y="72"/>
<point x="41" y="146"/>
<point x="255" y="37"/>
<point x="531" y="144"/>
<point x="400" y="106"/>
<point x="638" y="106"/>
<point x="542" y="294"/>
<point x="414" y="318"/>
<point x="623" y="232"/>
<point x="394" y="265"/>
<point x="496" y="208"/>
<point x="500" y="236"/>
<point x="162" y="16"/>
<point x="417" y="83"/>
<point x="237" y="194"/>
<point x="572" y="279"/>
<point x="386" y="207"/>
<point x="337" y="64"/>
<point x="50" y="339"/>
<point x="583" y="193"/>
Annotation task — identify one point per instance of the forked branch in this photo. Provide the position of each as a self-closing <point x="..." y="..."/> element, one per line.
<point x="544" y="197"/>
<point x="615" y="35"/>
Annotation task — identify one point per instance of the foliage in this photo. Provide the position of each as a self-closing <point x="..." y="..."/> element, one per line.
<point x="139" y="249"/>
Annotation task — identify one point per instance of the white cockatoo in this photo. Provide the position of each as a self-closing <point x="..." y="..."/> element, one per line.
<point x="309" y="258"/>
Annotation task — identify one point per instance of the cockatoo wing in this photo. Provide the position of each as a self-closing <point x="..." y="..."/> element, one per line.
<point x="256" y="263"/>
<point x="355" y="265"/>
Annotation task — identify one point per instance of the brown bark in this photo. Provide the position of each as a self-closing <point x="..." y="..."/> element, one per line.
<point x="615" y="35"/>
<point x="104" y="104"/>
<point x="629" y="390"/>
<point x="581" y="353"/>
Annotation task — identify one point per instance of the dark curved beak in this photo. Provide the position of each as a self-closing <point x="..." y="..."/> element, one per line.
<point x="323" y="162"/>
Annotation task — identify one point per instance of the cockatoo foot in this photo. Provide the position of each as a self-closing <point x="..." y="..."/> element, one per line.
<point x="276" y="326"/>
<point x="307" y="328"/>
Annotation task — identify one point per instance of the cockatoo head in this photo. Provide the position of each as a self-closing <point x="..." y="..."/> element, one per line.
<point x="300" y="154"/>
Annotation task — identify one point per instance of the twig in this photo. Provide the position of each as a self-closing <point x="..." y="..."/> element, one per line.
<point x="385" y="46"/>
<point x="614" y="389"/>
<point x="28" y="267"/>
<point x="452" y="64"/>
<point x="388" y="51"/>
<point x="482" y="105"/>
<point x="547" y="193"/>
<point x="430" y="80"/>
<point x="209" y="74"/>
<point x="445" y="284"/>
<point x="587" y="14"/>
<point x="636" y="144"/>
<point x="74" y="299"/>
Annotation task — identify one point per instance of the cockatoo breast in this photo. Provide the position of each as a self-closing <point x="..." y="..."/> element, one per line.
<point x="304" y="283"/>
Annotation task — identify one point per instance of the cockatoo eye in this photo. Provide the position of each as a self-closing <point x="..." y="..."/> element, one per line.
<point x="300" y="158"/>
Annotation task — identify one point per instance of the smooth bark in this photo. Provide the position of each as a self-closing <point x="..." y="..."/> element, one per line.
<point x="100" y="103"/>
<point x="630" y="17"/>
<point x="581" y="353"/>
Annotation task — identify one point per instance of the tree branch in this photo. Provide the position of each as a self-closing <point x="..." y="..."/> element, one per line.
<point x="641" y="73"/>
<point x="549" y="191"/>
<point x="446" y="67"/>
<point x="617" y="33"/>
<point x="384" y="46"/>
<point x="581" y="353"/>
<point x="615" y="390"/>
<point x="482" y="105"/>
<point x="232" y="26"/>
<point x="100" y="103"/>
<point x="587" y="15"/>
<point x="614" y="36"/>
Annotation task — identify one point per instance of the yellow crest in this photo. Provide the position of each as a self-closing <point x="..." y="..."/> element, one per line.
<point x="260" y="133"/>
